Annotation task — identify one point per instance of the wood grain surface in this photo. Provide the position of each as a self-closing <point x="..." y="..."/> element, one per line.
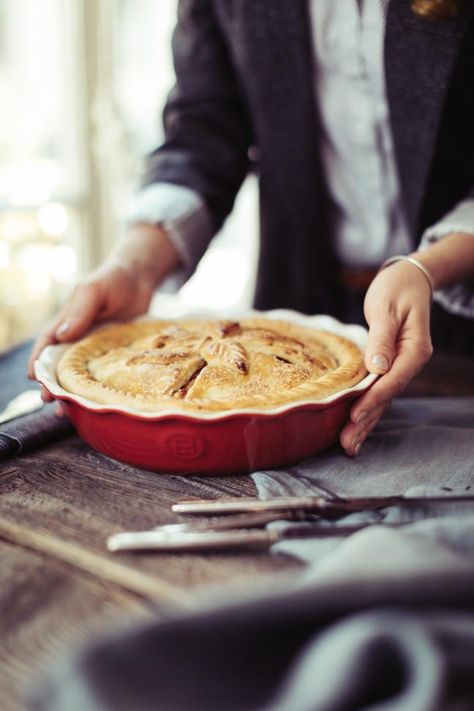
<point x="48" y="609"/>
<point x="59" y="586"/>
<point x="77" y="496"/>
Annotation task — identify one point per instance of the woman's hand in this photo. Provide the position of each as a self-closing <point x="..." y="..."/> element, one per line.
<point x="397" y="309"/>
<point x="122" y="288"/>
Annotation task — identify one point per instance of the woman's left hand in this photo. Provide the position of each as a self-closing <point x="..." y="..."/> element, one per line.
<point x="397" y="309"/>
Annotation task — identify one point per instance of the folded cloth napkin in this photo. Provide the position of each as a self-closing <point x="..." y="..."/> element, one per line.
<point x="421" y="447"/>
<point x="25" y="433"/>
<point x="30" y="431"/>
<point x="405" y="646"/>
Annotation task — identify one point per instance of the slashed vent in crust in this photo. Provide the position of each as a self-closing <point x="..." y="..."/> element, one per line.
<point x="209" y="365"/>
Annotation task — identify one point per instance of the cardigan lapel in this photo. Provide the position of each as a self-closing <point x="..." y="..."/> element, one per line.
<point x="420" y="56"/>
<point x="279" y="72"/>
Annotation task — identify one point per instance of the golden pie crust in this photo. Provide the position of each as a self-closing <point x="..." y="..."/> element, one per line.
<point x="209" y="365"/>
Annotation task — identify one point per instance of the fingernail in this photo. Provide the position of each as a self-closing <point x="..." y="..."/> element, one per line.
<point x="357" y="449"/>
<point x="361" y="416"/>
<point x="380" y="363"/>
<point x="63" y="328"/>
<point x="355" y="443"/>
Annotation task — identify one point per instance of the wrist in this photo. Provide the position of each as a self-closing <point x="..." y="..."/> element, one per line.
<point x="147" y="252"/>
<point x="431" y="267"/>
<point x="412" y="263"/>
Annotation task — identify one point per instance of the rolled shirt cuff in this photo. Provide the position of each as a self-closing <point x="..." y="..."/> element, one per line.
<point x="458" y="298"/>
<point x="181" y="212"/>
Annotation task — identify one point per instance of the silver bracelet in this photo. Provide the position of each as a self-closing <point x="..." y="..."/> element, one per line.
<point x="416" y="263"/>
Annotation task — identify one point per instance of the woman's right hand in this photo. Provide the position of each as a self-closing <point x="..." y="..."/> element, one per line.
<point x="120" y="289"/>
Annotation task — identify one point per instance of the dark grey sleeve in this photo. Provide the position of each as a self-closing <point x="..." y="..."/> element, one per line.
<point x="207" y="132"/>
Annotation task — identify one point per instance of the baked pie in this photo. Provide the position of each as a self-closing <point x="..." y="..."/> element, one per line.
<point x="209" y="365"/>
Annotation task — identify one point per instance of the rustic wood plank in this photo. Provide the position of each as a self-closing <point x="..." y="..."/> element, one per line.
<point x="112" y="571"/>
<point x="80" y="497"/>
<point x="63" y="501"/>
<point x="47" y="611"/>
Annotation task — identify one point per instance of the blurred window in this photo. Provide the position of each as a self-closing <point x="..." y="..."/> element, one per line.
<point x="83" y="83"/>
<point x="41" y="187"/>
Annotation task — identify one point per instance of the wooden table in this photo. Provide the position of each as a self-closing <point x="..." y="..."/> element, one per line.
<point x="59" y="586"/>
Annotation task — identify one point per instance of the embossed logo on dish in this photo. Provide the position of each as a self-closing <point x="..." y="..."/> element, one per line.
<point x="185" y="446"/>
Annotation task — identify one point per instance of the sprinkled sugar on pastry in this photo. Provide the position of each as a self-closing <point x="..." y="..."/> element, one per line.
<point x="196" y="365"/>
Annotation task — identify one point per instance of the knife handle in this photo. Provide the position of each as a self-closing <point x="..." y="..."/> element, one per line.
<point x="192" y="541"/>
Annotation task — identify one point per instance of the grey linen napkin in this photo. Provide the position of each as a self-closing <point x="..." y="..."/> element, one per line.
<point x="403" y="646"/>
<point x="421" y="446"/>
<point x="30" y="431"/>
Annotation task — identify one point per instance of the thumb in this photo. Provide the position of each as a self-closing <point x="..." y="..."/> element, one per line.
<point x="380" y="349"/>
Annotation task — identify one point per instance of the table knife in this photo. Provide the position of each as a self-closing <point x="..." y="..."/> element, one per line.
<point x="316" y="504"/>
<point x="252" y="519"/>
<point x="201" y="541"/>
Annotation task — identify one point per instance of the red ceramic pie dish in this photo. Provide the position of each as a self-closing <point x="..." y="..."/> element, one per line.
<point x="211" y="443"/>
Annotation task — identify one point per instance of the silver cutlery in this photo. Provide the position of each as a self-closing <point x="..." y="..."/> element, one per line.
<point x="319" y="505"/>
<point x="23" y="404"/>
<point x="182" y="532"/>
<point x="201" y="541"/>
<point x="225" y="523"/>
<point x="236" y="527"/>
